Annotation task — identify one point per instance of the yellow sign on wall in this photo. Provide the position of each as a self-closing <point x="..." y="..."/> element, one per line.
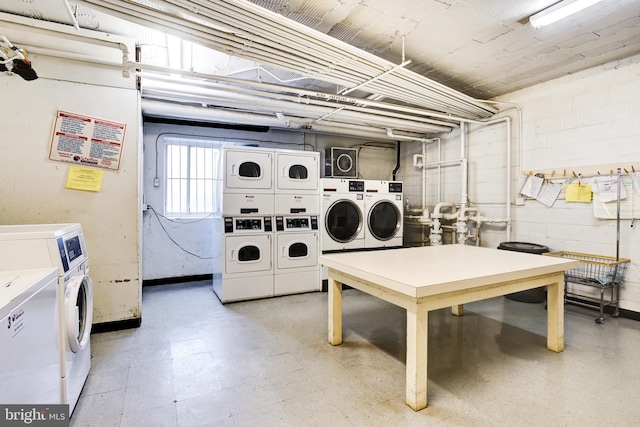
<point x="87" y="179"/>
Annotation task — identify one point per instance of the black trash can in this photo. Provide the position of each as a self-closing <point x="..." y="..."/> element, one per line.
<point x="535" y="295"/>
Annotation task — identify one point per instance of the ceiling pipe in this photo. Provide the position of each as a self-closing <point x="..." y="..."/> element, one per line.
<point x="402" y="65"/>
<point x="261" y="102"/>
<point x="72" y="15"/>
<point x="61" y="31"/>
<point x="163" y="109"/>
<point x="301" y="95"/>
<point x="397" y="137"/>
<point x="308" y="52"/>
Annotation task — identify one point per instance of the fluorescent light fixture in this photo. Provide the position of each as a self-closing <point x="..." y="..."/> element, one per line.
<point x="559" y="11"/>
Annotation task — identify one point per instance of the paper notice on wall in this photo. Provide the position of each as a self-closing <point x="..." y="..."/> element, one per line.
<point x="532" y="186"/>
<point x="635" y="178"/>
<point x="87" y="141"/>
<point x="607" y="209"/>
<point x="608" y="188"/>
<point x="84" y="178"/>
<point x="577" y="192"/>
<point x="549" y="193"/>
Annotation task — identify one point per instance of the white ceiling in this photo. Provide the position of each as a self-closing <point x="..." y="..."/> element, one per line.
<point x="478" y="48"/>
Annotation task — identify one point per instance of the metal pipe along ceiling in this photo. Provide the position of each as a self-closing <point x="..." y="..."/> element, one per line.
<point x="308" y="109"/>
<point x="240" y="28"/>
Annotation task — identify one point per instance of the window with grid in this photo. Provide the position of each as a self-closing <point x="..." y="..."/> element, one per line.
<point x="192" y="178"/>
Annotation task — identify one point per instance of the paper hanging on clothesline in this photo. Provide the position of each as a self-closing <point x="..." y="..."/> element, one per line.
<point x="577" y="192"/>
<point x="549" y="193"/>
<point x="635" y="178"/>
<point x="532" y="186"/>
<point x="608" y="188"/>
<point x="629" y="207"/>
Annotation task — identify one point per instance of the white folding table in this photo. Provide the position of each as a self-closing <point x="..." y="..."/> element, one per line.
<point x="428" y="278"/>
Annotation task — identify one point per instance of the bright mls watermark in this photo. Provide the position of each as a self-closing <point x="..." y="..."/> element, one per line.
<point x="34" y="415"/>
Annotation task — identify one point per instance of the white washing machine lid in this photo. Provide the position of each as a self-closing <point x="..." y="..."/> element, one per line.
<point x="37" y="231"/>
<point x="42" y="245"/>
<point x="78" y="312"/>
<point x="16" y="286"/>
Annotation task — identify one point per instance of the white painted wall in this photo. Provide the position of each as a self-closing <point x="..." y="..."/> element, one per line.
<point x="32" y="188"/>
<point x="585" y="119"/>
<point x="162" y="258"/>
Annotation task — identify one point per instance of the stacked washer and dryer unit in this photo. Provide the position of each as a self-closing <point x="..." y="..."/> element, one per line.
<point x="267" y="240"/>
<point x="62" y="248"/>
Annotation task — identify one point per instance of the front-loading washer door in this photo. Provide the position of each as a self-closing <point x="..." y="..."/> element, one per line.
<point x="296" y="250"/>
<point x="248" y="253"/>
<point x="384" y="220"/>
<point x="78" y="306"/>
<point x="248" y="170"/>
<point x="343" y="221"/>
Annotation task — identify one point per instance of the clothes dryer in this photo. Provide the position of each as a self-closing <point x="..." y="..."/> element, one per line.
<point x="29" y="356"/>
<point x="342" y="214"/>
<point x="297" y="182"/>
<point x="243" y="260"/>
<point x="297" y="246"/>
<point x="247" y="180"/>
<point x="384" y="214"/>
<point x="61" y="246"/>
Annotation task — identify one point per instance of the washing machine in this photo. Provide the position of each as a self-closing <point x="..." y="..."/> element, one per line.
<point x="342" y="214"/>
<point x="297" y="246"/>
<point x="384" y="214"/>
<point x="247" y="180"/>
<point x="61" y="246"/>
<point x="297" y="182"/>
<point x="29" y="356"/>
<point x="243" y="258"/>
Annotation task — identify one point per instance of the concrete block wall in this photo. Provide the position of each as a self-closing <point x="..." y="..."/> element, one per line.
<point x="571" y="123"/>
<point x="575" y="122"/>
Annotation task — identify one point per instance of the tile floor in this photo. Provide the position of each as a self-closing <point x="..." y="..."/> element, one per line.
<point x="196" y="362"/>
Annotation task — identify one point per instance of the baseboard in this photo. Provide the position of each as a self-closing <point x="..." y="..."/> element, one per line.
<point x="116" y="326"/>
<point x="181" y="279"/>
<point x="627" y="314"/>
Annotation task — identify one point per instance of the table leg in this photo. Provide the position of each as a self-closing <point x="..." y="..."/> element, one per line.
<point x="335" y="312"/>
<point x="417" y="336"/>
<point x="457" y="310"/>
<point x="555" y="315"/>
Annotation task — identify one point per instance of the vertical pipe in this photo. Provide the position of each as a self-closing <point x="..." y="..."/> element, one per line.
<point x="464" y="164"/>
<point x="395" y="170"/>
<point x="618" y="220"/>
<point x="508" y="176"/>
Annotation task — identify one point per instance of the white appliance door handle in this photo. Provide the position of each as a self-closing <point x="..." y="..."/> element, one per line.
<point x="233" y="169"/>
<point x="283" y="250"/>
<point x="232" y="255"/>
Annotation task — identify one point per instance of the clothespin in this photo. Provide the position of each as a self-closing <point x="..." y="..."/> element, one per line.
<point x="598" y="172"/>
<point x="625" y="170"/>
<point x="611" y="171"/>
<point x="633" y="169"/>
<point x="564" y="173"/>
<point x="549" y="179"/>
